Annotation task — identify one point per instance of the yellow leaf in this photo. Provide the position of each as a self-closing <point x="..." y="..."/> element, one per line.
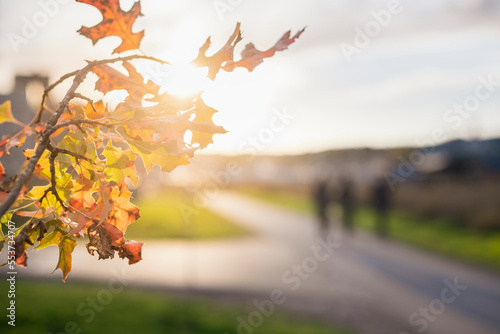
<point x="66" y="247"/>
<point x="6" y="114"/>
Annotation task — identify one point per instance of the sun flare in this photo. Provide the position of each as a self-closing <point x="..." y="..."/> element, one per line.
<point x="185" y="80"/>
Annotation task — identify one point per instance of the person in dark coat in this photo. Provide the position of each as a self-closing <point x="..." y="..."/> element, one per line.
<point x="381" y="205"/>
<point x="321" y="200"/>
<point x="346" y="201"/>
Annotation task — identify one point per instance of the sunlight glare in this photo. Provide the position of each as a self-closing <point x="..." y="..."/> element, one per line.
<point x="185" y="80"/>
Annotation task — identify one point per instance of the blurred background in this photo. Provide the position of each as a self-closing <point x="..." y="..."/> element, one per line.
<point x="357" y="190"/>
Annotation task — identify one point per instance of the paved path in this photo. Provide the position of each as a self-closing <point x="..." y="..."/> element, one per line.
<point x="369" y="285"/>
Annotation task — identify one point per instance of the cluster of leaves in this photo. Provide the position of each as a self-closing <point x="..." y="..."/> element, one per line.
<point x="86" y="152"/>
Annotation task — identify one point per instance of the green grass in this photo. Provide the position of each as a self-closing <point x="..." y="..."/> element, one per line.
<point x="292" y="200"/>
<point x="43" y="307"/>
<point x="162" y="218"/>
<point x="433" y="235"/>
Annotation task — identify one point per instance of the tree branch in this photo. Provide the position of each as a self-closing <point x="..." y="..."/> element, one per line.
<point x="79" y="76"/>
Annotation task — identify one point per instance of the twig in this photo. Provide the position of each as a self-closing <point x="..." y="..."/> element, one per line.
<point x="80" y="96"/>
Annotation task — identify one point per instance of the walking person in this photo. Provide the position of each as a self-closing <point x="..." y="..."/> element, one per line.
<point x="321" y="201"/>
<point x="381" y="205"/>
<point x="346" y="201"/>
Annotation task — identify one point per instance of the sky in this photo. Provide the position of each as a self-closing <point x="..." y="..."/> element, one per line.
<point x="365" y="73"/>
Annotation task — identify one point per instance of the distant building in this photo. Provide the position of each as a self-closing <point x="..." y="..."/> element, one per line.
<point x="22" y="112"/>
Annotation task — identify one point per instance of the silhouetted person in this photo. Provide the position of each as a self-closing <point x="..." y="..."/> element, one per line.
<point x="346" y="201"/>
<point x="381" y="205"/>
<point x="321" y="200"/>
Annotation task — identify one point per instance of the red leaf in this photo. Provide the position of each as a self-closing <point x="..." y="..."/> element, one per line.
<point x="14" y="140"/>
<point x="132" y="250"/>
<point x="116" y="22"/>
<point x="2" y="173"/>
<point x="251" y="57"/>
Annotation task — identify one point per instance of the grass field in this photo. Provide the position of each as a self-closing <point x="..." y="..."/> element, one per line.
<point x="162" y="218"/>
<point x="56" y="308"/>
<point x="433" y="235"/>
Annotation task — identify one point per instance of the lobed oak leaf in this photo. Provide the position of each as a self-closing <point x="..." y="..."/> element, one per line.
<point x="167" y="155"/>
<point x="251" y="57"/>
<point x="115" y="22"/>
<point x="170" y="104"/>
<point x="202" y="127"/>
<point x="119" y="164"/>
<point x="123" y="213"/>
<point x="110" y="79"/>
<point x="217" y="60"/>
<point x="15" y="140"/>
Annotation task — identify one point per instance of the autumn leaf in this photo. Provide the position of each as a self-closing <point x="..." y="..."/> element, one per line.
<point x="203" y="128"/>
<point x="167" y="156"/>
<point x="123" y="212"/>
<point x="21" y="242"/>
<point x="251" y="57"/>
<point x="53" y="238"/>
<point x="87" y="152"/>
<point x="66" y="247"/>
<point x="6" y="114"/>
<point x="14" y="140"/>
<point x="115" y="22"/>
<point x="2" y="173"/>
<point x="217" y="60"/>
<point x="132" y="250"/>
<point x="3" y="192"/>
<point x="96" y="110"/>
<point x="99" y="242"/>
<point x="110" y="79"/>
<point x="119" y="164"/>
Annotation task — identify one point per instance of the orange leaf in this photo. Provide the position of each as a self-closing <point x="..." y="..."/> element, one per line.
<point x="217" y="60"/>
<point x="202" y="126"/>
<point x="97" y="113"/>
<point x="2" y="173"/>
<point x="115" y="22"/>
<point x="123" y="212"/>
<point x="111" y="79"/>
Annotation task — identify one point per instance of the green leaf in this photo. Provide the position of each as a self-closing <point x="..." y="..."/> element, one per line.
<point x="119" y="164"/>
<point x="6" y="218"/>
<point x="53" y="238"/>
<point x="66" y="247"/>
